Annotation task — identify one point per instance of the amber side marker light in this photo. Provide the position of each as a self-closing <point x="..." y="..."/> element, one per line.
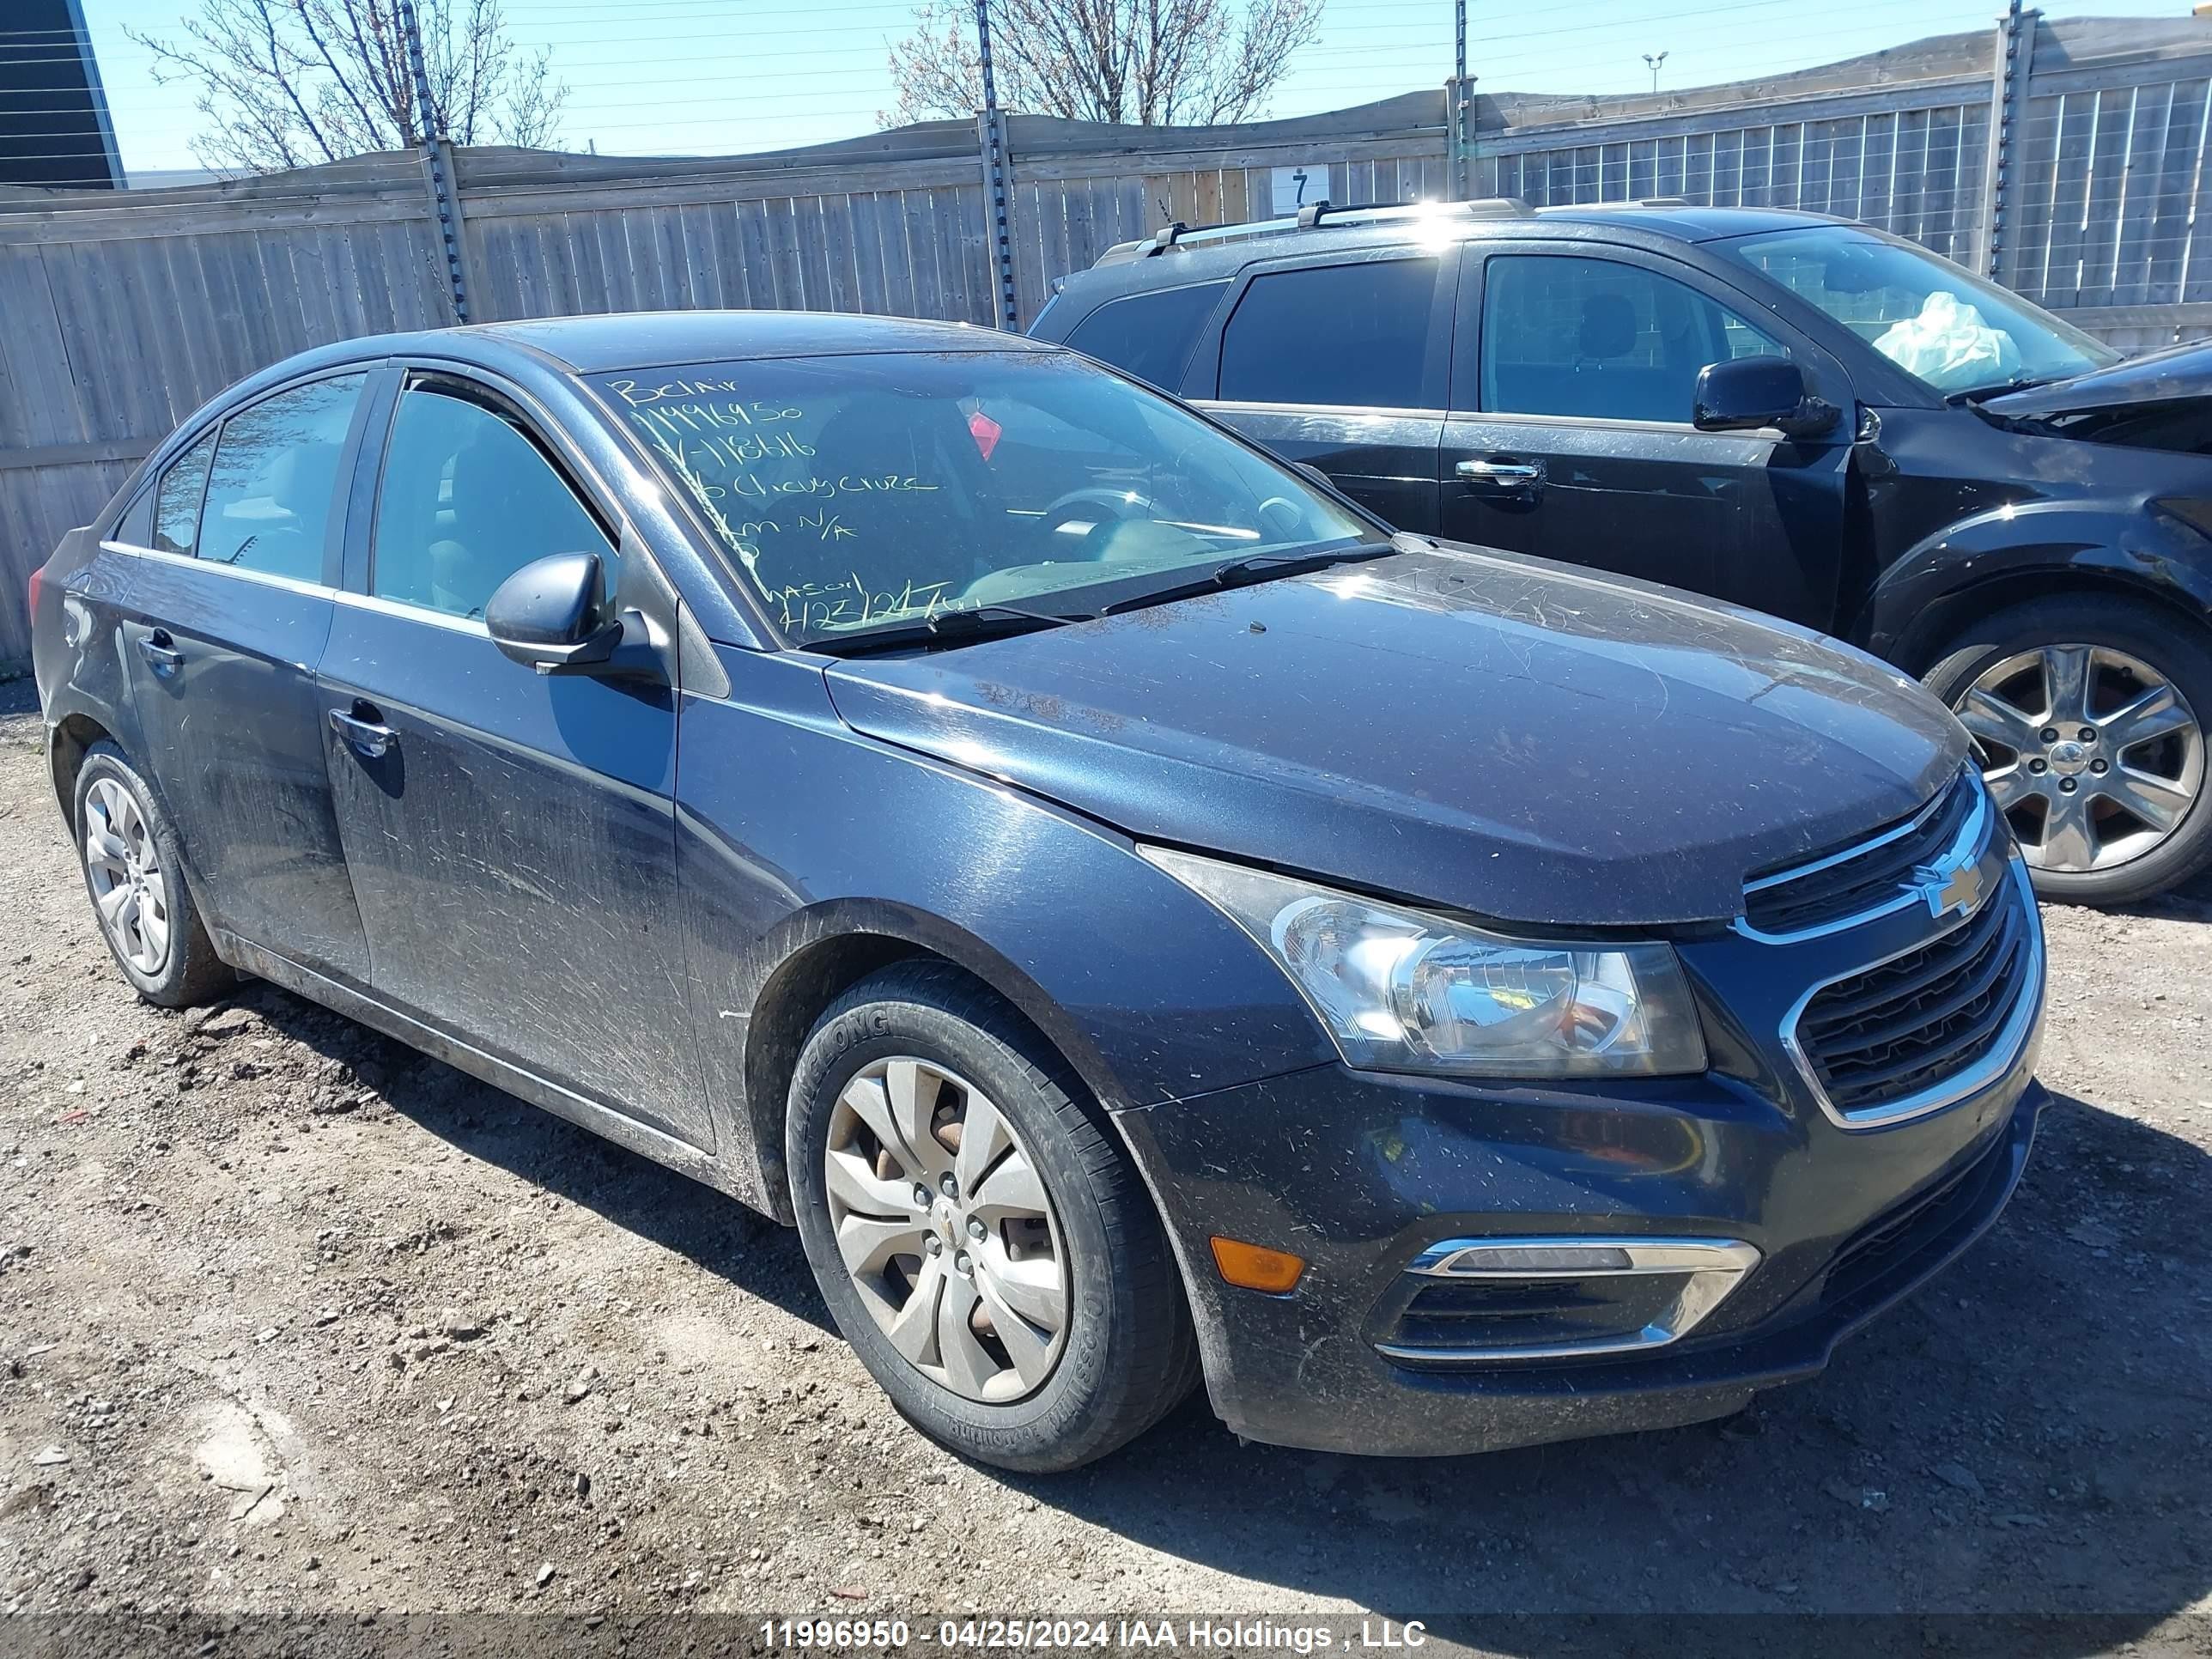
<point x="1255" y="1267"/>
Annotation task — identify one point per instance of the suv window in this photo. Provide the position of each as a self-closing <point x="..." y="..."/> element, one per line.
<point x="177" y="502"/>
<point x="276" y="472"/>
<point x="1598" y="338"/>
<point x="1149" y="334"/>
<point x="1345" y="336"/>
<point x="467" y="498"/>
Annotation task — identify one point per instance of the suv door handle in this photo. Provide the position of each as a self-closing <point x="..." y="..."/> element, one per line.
<point x="1509" y="475"/>
<point x="159" y="649"/>
<point x="364" y="730"/>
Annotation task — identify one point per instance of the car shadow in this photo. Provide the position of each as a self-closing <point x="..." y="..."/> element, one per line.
<point x="631" y="1191"/>
<point x="2023" y="1438"/>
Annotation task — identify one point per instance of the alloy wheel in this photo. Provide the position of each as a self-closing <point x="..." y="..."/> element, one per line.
<point x="945" y="1225"/>
<point x="2094" y="755"/>
<point x="129" y="891"/>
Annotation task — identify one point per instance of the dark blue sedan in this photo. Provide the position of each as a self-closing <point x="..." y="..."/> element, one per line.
<point x="1141" y="919"/>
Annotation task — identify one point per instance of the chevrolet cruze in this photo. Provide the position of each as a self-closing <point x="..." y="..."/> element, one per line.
<point x="1141" y="919"/>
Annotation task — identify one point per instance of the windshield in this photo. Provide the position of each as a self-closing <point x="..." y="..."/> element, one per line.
<point x="1944" y="325"/>
<point x="869" y="491"/>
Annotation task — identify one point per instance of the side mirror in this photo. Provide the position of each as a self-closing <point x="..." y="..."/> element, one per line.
<point x="1746" y="393"/>
<point x="544" y="616"/>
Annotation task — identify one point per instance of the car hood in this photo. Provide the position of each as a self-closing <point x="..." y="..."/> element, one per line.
<point x="2175" y="374"/>
<point x="1505" y="735"/>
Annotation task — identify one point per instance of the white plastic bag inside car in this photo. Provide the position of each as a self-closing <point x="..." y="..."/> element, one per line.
<point x="1949" y="345"/>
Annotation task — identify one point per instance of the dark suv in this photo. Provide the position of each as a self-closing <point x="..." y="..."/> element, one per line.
<point x="1796" y="413"/>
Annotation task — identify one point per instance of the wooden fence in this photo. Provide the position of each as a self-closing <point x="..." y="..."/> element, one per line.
<point x="121" y="311"/>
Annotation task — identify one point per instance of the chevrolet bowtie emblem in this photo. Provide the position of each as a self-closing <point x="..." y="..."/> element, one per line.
<point x="1948" y="886"/>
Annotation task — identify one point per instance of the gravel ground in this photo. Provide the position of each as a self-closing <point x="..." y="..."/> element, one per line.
<point x="292" y="1318"/>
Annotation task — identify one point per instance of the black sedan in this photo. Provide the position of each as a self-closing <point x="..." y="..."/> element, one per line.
<point x="1140" y="918"/>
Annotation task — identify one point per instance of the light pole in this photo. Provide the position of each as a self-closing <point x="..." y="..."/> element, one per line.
<point x="1652" y="62"/>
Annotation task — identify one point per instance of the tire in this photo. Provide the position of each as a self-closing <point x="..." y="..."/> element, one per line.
<point x="2016" y="655"/>
<point x="172" y="964"/>
<point x="1124" y="1354"/>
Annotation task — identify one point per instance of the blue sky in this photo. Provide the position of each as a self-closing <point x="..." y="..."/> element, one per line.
<point x="716" y="77"/>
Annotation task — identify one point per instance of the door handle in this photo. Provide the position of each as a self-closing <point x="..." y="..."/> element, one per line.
<point x="364" y="730"/>
<point x="1508" y="475"/>
<point x="159" y="649"/>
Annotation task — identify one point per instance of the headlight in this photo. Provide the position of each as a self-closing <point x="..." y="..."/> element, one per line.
<point x="1402" y="991"/>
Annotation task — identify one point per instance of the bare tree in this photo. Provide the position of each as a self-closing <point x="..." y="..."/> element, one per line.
<point x="1155" y="62"/>
<point x="286" y="83"/>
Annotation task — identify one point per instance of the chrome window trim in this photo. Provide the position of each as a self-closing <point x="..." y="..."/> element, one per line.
<point x="1356" y="411"/>
<point x="1715" y="1268"/>
<point x="406" y="612"/>
<point x="238" y="572"/>
<point x="2011" y="1040"/>
<point x="1767" y="436"/>
<point x="1966" y="843"/>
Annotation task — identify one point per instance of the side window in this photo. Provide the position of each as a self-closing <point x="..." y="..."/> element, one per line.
<point x="1601" y="339"/>
<point x="1149" y="334"/>
<point x="177" y="502"/>
<point x="276" y="472"/>
<point x="1349" y="335"/>
<point x="468" y="499"/>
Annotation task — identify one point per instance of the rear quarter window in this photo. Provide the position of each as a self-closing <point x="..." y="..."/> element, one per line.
<point x="1149" y="334"/>
<point x="1352" y="336"/>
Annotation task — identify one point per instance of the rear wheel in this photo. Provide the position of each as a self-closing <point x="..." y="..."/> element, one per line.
<point x="135" y="876"/>
<point x="2087" y="715"/>
<point x="980" y="1240"/>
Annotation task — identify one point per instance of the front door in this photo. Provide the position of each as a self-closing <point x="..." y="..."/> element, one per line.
<point x="229" y="610"/>
<point x="1343" y="367"/>
<point x="511" y="834"/>
<point x="1569" y="435"/>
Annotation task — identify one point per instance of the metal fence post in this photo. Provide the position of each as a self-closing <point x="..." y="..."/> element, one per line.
<point x="437" y="165"/>
<point x="991" y="131"/>
<point x="1462" y="186"/>
<point x="2009" y="79"/>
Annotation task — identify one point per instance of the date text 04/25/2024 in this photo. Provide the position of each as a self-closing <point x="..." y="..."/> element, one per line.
<point x="845" y="1635"/>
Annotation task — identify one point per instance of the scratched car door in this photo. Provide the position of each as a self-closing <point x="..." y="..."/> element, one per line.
<point x="511" y="835"/>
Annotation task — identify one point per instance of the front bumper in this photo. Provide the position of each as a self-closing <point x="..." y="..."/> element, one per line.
<point x="1360" y="1174"/>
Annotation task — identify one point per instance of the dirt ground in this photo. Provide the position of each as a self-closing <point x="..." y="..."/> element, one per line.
<point x="293" y="1318"/>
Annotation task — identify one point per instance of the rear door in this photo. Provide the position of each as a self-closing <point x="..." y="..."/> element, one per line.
<point x="511" y="834"/>
<point x="1570" y="437"/>
<point x="1342" y="364"/>
<point x="228" y="613"/>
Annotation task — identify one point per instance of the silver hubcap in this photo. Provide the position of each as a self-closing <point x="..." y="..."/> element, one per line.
<point x="128" y="888"/>
<point x="946" y="1230"/>
<point x="2092" y="754"/>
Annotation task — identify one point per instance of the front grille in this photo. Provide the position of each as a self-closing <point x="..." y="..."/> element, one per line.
<point x="1918" y="1020"/>
<point x="1848" y="885"/>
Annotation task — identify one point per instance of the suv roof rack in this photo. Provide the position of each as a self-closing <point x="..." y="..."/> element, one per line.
<point x="1313" y="215"/>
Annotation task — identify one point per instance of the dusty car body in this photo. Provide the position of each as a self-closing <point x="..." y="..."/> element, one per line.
<point x="1442" y="998"/>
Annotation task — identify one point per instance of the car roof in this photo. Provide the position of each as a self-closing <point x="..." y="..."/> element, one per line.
<point x="1219" y="252"/>
<point x="645" y="339"/>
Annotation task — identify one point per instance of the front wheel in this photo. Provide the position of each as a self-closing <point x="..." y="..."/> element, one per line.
<point x="2086" y="714"/>
<point x="980" y="1241"/>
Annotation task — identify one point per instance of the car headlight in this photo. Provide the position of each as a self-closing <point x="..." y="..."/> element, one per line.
<point x="1400" y="990"/>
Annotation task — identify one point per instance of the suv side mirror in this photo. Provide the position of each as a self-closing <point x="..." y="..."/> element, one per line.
<point x="546" y="616"/>
<point x="1746" y="393"/>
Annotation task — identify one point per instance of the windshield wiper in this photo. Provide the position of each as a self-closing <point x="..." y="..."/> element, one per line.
<point x="1236" y="573"/>
<point x="1979" y="394"/>
<point x="982" y="622"/>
